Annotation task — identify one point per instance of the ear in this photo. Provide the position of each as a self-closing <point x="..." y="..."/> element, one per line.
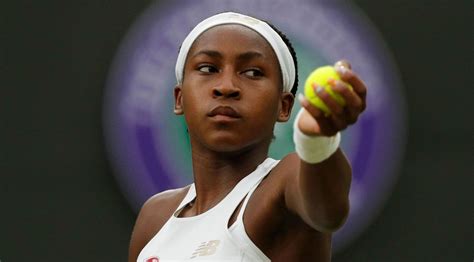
<point x="287" y="100"/>
<point x="178" y="100"/>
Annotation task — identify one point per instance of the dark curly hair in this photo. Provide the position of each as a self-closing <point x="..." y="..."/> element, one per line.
<point x="293" y="54"/>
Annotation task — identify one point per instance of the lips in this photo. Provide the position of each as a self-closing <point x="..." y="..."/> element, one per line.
<point x="226" y="111"/>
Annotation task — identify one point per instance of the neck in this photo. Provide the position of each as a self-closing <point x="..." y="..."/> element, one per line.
<point x="217" y="173"/>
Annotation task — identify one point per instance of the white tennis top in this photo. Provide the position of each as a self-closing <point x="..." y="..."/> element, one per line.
<point x="206" y="237"/>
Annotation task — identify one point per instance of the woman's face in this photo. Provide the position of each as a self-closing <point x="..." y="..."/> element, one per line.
<point x="231" y="95"/>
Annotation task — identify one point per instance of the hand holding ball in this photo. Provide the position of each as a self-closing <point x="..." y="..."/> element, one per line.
<point x="320" y="77"/>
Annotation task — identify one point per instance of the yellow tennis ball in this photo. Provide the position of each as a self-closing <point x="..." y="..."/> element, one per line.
<point x="320" y="77"/>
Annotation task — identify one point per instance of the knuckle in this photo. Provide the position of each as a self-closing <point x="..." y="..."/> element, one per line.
<point x="362" y="91"/>
<point x="337" y="109"/>
<point x="352" y="120"/>
<point x="357" y="106"/>
<point x="348" y="76"/>
<point x="324" y="95"/>
<point x="346" y="92"/>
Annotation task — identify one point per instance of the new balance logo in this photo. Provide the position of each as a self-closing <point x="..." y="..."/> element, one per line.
<point x="206" y="249"/>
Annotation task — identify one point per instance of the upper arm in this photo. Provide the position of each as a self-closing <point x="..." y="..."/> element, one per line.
<point x="153" y="215"/>
<point x="141" y="231"/>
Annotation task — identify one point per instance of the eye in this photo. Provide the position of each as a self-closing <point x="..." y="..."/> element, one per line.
<point x="207" y="69"/>
<point x="253" y="73"/>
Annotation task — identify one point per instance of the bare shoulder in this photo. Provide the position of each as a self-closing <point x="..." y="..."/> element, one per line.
<point x="153" y="215"/>
<point x="285" y="169"/>
<point x="273" y="186"/>
<point x="288" y="165"/>
<point x="158" y="208"/>
<point x="271" y="191"/>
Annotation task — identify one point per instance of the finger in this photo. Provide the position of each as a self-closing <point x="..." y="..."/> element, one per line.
<point x="336" y="120"/>
<point x="351" y="116"/>
<point x="333" y="106"/>
<point x="312" y="110"/>
<point x="347" y="75"/>
<point x="353" y="101"/>
<point x="324" y="124"/>
<point x="354" y="104"/>
<point x="339" y="122"/>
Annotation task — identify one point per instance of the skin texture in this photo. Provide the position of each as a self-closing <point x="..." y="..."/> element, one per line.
<point x="295" y="209"/>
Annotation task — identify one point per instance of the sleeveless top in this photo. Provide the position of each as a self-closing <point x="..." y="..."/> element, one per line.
<point x="207" y="237"/>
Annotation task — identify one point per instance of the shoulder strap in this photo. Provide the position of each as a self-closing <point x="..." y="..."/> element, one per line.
<point x="188" y="198"/>
<point x="249" y="194"/>
<point x="245" y="187"/>
<point x="233" y="199"/>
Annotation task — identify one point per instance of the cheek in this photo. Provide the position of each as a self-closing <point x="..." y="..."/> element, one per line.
<point x="192" y="98"/>
<point x="191" y="108"/>
<point x="266" y="108"/>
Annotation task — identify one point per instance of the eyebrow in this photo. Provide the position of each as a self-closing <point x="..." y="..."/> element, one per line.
<point x="243" y="57"/>
<point x="210" y="53"/>
<point x="249" y="56"/>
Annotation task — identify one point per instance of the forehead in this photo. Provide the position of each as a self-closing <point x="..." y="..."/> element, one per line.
<point x="232" y="37"/>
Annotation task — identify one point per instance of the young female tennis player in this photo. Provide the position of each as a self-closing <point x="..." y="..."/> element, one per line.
<point x="237" y="77"/>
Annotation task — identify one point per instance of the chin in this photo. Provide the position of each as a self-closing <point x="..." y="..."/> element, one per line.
<point x="226" y="144"/>
<point x="231" y="141"/>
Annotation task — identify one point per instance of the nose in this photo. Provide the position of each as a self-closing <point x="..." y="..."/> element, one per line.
<point x="226" y="89"/>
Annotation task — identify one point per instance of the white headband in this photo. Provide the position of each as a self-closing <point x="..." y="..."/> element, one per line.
<point x="282" y="52"/>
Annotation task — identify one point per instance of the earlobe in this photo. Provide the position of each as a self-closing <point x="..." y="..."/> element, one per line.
<point x="178" y="97"/>
<point x="287" y="100"/>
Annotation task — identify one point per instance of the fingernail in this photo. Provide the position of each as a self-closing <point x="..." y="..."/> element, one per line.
<point x="301" y="99"/>
<point x="319" y="89"/>
<point x="331" y="81"/>
<point x="341" y="69"/>
<point x="343" y="63"/>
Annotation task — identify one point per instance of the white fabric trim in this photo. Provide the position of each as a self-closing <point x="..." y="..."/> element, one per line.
<point x="313" y="149"/>
<point x="276" y="42"/>
<point x="181" y="237"/>
<point x="238" y="232"/>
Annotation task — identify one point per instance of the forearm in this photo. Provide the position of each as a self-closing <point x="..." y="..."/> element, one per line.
<point x="323" y="192"/>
